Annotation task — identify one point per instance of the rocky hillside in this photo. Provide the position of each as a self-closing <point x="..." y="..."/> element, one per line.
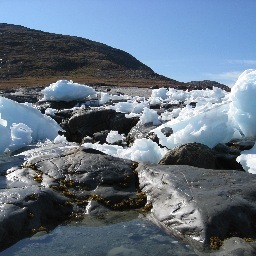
<point x="34" y="58"/>
<point x="31" y="57"/>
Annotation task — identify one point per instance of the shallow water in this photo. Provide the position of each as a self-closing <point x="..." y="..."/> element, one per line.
<point x="134" y="236"/>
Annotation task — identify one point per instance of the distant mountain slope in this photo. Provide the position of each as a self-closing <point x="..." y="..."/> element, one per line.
<point x="32" y="57"/>
<point x="207" y="84"/>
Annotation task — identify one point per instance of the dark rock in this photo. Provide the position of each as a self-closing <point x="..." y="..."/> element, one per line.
<point x="139" y="131"/>
<point x="154" y="106"/>
<point x="85" y="123"/>
<point x="22" y="95"/>
<point x="24" y="211"/>
<point x="152" y="136"/>
<point x="57" y="183"/>
<point x="225" y="157"/>
<point x="100" y="136"/>
<point x="193" y="104"/>
<point x="62" y="116"/>
<point x="171" y="106"/>
<point x="122" y="124"/>
<point x="60" y="105"/>
<point x="202" y="85"/>
<point x="201" y="206"/>
<point x="193" y="154"/>
<point x="167" y="131"/>
<point x="244" y="143"/>
<point x="87" y="139"/>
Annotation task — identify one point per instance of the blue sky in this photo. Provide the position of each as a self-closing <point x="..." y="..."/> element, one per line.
<point x="181" y="39"/>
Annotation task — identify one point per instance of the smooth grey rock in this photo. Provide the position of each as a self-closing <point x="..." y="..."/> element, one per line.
<point x="193" y="154"/>
<point x="87" y="174"/>
<point x="58" y="181"/>
<point x="24" y="210"/>
<point x="198" y="204"/>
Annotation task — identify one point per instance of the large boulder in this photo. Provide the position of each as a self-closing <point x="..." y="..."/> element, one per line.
<point x="202" y="206"/>
<point x="85" y="123"/>
<point x="88" y="178"/>
<point x="193" y="154"/>
<point x="58" y="182"/>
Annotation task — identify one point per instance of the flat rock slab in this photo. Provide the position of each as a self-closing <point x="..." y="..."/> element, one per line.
<point x="24" y="211"/>
<point x="86" y="175"/>
<point x="44" y="186"/>
<point x="202" y="206"/>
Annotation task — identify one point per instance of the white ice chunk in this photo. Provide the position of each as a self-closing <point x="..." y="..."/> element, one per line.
<point x="64" y="90"/>
<point x="243" y="104"/>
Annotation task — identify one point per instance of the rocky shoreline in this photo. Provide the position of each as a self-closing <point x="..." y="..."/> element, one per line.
<point x="201" y="195"/>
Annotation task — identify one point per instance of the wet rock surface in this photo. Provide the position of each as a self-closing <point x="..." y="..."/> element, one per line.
<point x="85" y="175"/>
<point x="57" y="183"/>
<point x="26" y="210"/>
<point x="237" y="246"/>
<point x="204" y="207"/>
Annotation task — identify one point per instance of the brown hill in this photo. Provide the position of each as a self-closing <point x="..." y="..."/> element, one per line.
<point x="33" y="58"/>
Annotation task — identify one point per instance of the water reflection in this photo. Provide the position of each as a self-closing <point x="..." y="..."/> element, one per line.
<point x="130" y="236"/>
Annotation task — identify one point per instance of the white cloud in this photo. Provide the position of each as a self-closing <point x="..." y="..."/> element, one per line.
<point x="232" y="75"/>
<point x="242" y="62"/>
<point x="228" y="78"/>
